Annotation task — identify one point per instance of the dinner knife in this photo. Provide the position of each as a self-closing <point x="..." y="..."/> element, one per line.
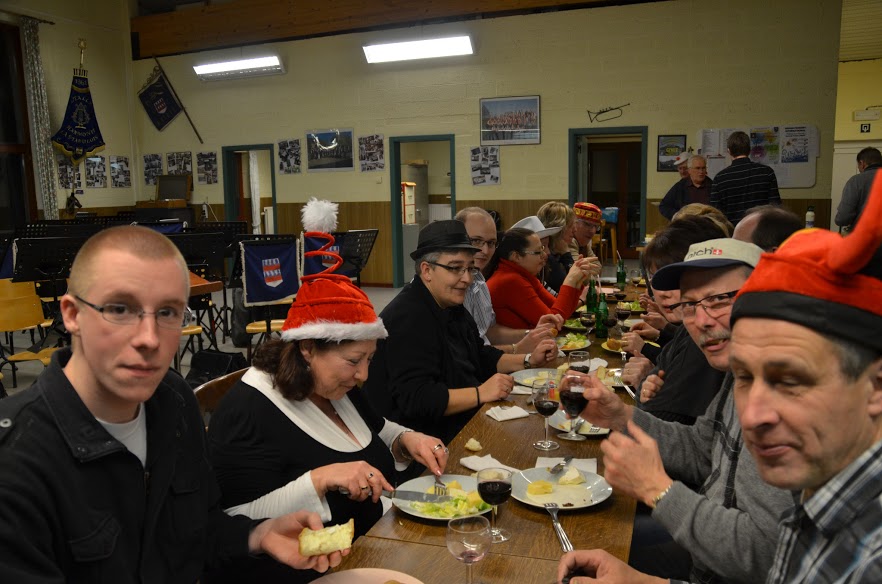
<point x="408" y="496"/>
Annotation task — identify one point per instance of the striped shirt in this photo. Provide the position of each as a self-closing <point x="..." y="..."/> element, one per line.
<point x="477" y="302"/>
<point x="836" y="535"/>
<point x="743" y="185"/>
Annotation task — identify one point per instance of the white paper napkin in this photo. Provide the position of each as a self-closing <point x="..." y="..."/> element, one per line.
<point x="503" y="413"/>
<point x="521" y="390"/>
<point x="583" y="464"/>
<point x="477" y="463"/>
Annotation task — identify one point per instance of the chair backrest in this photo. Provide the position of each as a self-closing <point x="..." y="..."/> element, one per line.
<point x="20" y="313"/>
<point x="210" y="393"/>
<point x="10" y="289"/>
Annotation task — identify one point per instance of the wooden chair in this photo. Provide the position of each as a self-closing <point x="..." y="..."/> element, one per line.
<point x="16" y="314"/>
<point x="210" y="393"/>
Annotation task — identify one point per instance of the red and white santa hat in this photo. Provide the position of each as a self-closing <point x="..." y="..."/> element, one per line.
<point x="329" y="306"/>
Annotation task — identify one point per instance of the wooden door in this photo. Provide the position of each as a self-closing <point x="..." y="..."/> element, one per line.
<point x="614" y="181"/>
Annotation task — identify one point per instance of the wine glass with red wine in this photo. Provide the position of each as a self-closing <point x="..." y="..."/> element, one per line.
<point x="623" y="312"/>
<point x="573" y="403"/>
<point x="494" y="486"/>
<point x="469" y="540"/>
<point x="546" y="406"/>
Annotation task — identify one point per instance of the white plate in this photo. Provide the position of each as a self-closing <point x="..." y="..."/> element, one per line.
<point x="559" y="421"/>
<point x="632" y="321"/>
<point x="593" y="491"/>
<point x="526" y="377"/>
<point x="366" y="576"/>
<point x="422" y="484"/>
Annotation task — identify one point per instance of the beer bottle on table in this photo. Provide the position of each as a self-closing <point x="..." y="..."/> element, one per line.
<point x="621" y="276"/>
<point x="591" y="297"/>
<point x="602" y="313"/>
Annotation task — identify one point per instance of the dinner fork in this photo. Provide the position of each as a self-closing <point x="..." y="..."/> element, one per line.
<point x="565" y="542"/>
<point x="439" y="488"/>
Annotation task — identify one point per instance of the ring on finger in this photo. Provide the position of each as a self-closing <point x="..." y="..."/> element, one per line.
<point x="446" y="450"/>
<point x="438" y="447"/>
<point x="370" y="475"/>
<point x="365" y="488"/>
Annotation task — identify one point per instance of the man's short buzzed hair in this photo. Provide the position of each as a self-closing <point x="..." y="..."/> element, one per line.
<point x="774" y="226"/>
<point x="870" y="155"/>
<point x="139" y="241"/>
<point x="738" y="144"/>
<point x="464" y="214"/>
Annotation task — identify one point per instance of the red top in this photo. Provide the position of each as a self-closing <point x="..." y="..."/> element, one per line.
<point x="520" y="300"/>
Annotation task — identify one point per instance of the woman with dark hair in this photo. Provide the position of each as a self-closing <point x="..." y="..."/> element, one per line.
<point x="297" y="433"/>
<point x="518" y="296"/>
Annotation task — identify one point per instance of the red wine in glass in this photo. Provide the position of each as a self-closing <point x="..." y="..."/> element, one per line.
<point x="620" y="296"/>
<point x="546" y="407"/>
<point x="623" y="313"/>
<point x="573" y="402"/>
<point x="610" y="321"/>
<point x="494" y="492"/>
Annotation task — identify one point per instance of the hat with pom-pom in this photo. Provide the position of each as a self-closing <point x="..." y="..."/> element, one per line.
<point x="823" y="281"/>
<point x="329" y="306"/>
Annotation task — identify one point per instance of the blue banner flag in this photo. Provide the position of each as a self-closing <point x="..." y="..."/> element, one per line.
<point x="269" y="272"/>
<point x="159" y="101"/>
<point x="79" y="136"/>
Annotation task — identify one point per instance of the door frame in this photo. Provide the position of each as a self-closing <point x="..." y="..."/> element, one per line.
<point x="231" y="198"/>
<point x="573" y="147"/>
<point x="395" y="143"/>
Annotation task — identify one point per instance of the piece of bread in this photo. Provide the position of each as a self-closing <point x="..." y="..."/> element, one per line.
<point x="327" y="540"/>
<point x="473" y="445"/>
<point x="614" y="344"/>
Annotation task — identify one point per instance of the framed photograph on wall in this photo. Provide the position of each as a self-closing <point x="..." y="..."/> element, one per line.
<point x="329" y="150"/>
<point x="510" y="120"/>
<point x="669" y="148"/>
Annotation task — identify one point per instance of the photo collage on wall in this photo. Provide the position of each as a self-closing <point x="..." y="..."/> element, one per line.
<point x="485" y="165"/>
<point x="206" y="168"/>
<point x="371" y="154"/>
<point x="69" y="177"/>
<point x="289" y="156"/>
<point x="120" y="175"/>
<point x="96" y="172"/>
<point x="179" y="162"/>
<point x="152" y="168"/>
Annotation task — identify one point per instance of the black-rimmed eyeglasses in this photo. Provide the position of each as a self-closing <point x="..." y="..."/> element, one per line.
<point x="478" y="242"/>
<point x="458" y="270"/>
<point x="169" y="317"/>
<point x="714" y="305"/>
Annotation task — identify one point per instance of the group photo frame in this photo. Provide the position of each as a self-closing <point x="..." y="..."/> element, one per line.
<point x="510" y="120"/>
<point x="329" y="150"/>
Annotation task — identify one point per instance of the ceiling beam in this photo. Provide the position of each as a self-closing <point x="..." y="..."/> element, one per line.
<point x="247" y="22"/>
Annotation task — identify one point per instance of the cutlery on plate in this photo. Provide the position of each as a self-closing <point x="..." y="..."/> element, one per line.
<point x="565" y="543"/>
<point x="439" y="487"/>
<point x="560" y="465"/>
<point x="407" y="495"/>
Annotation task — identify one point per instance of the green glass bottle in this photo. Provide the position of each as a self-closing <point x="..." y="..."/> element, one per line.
<point x="621" y="276"/>
<point x="602" y="313"/>
<point x="591" y="297"/>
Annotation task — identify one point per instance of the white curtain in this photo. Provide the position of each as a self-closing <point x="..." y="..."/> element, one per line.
<point x="254" y="172"/>
<point x="38" y="106"/>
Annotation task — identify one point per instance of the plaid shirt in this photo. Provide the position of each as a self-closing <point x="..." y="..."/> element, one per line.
<point x="836" y="535"/>
<point x="477" y="302"/>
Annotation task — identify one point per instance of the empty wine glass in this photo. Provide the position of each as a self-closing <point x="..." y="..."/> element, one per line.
<point x="469" y="540"/>
<point x="546" y="406"/>
<point x="573" y="403"/>
<point x="494" y="487"/>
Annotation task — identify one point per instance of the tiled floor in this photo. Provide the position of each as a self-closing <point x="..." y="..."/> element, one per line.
<point x="380" y="297"/>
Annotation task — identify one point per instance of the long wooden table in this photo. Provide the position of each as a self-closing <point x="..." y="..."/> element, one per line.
<point x="418" y="546"/>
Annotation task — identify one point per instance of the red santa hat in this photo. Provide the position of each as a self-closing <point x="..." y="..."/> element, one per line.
<point x="329" y="306"/>
<point x="823" y="281"/>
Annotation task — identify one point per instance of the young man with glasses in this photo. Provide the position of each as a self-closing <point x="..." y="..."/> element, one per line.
<point x="728" y="527"/>
<point x="482" y="235"/>
<point x="694" y="188"/>
<point x="106" y="476"/>
<point x="434" y="371"/>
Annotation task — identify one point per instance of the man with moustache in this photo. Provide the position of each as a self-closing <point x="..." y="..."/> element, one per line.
<point x="434" y="371"/>
<point x="729" y="526"/>
<point x="482" y="234"/>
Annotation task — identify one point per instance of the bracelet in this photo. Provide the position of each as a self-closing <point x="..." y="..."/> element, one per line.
<point x="478" y="395"/>
<point x="660" y="496"/>
<point x="513" y="349"/>
<point x="404" y="453"/>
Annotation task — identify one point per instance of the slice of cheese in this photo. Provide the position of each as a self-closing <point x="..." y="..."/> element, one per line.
<point x="539" y="488"/>
<point x="571" y="476"/>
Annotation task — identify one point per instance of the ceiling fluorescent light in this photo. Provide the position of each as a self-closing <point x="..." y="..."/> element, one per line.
<point x="428" y="49"/>
<point x="257" y="67"/>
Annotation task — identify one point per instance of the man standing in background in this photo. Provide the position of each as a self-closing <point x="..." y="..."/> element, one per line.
<point x="695" y="188"/>
<point x="857" y="189"/>
<point x="744" y="184"/>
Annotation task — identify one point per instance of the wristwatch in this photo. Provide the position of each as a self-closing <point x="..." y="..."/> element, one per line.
<point x="527" y="361"/>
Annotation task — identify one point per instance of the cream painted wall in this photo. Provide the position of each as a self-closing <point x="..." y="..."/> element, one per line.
<point x="860" y="86"/>
<point x="105" y="26"/>
<point x="438" y="155"/>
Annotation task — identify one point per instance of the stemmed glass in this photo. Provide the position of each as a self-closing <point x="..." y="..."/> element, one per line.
<point x="494" y="486"/>
<point x="546" y="406"/>
<point x="623" y="312"/>
<point x="635" y="277"/>
<point x="469" y="540"/>
<point x="573" y="403"/>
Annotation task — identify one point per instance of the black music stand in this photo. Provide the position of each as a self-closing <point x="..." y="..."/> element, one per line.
<point x="46" y="261"/>
<point x="355" y="249"/>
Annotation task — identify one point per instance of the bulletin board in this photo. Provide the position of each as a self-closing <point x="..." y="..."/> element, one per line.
<point x="791" y="151"/>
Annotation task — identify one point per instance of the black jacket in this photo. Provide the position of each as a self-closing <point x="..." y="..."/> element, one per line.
<point x="428" y="351"/>
<point x="77" y="506"/>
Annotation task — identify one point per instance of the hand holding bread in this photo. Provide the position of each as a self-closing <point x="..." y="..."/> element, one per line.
<point x="279" y="538"/>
